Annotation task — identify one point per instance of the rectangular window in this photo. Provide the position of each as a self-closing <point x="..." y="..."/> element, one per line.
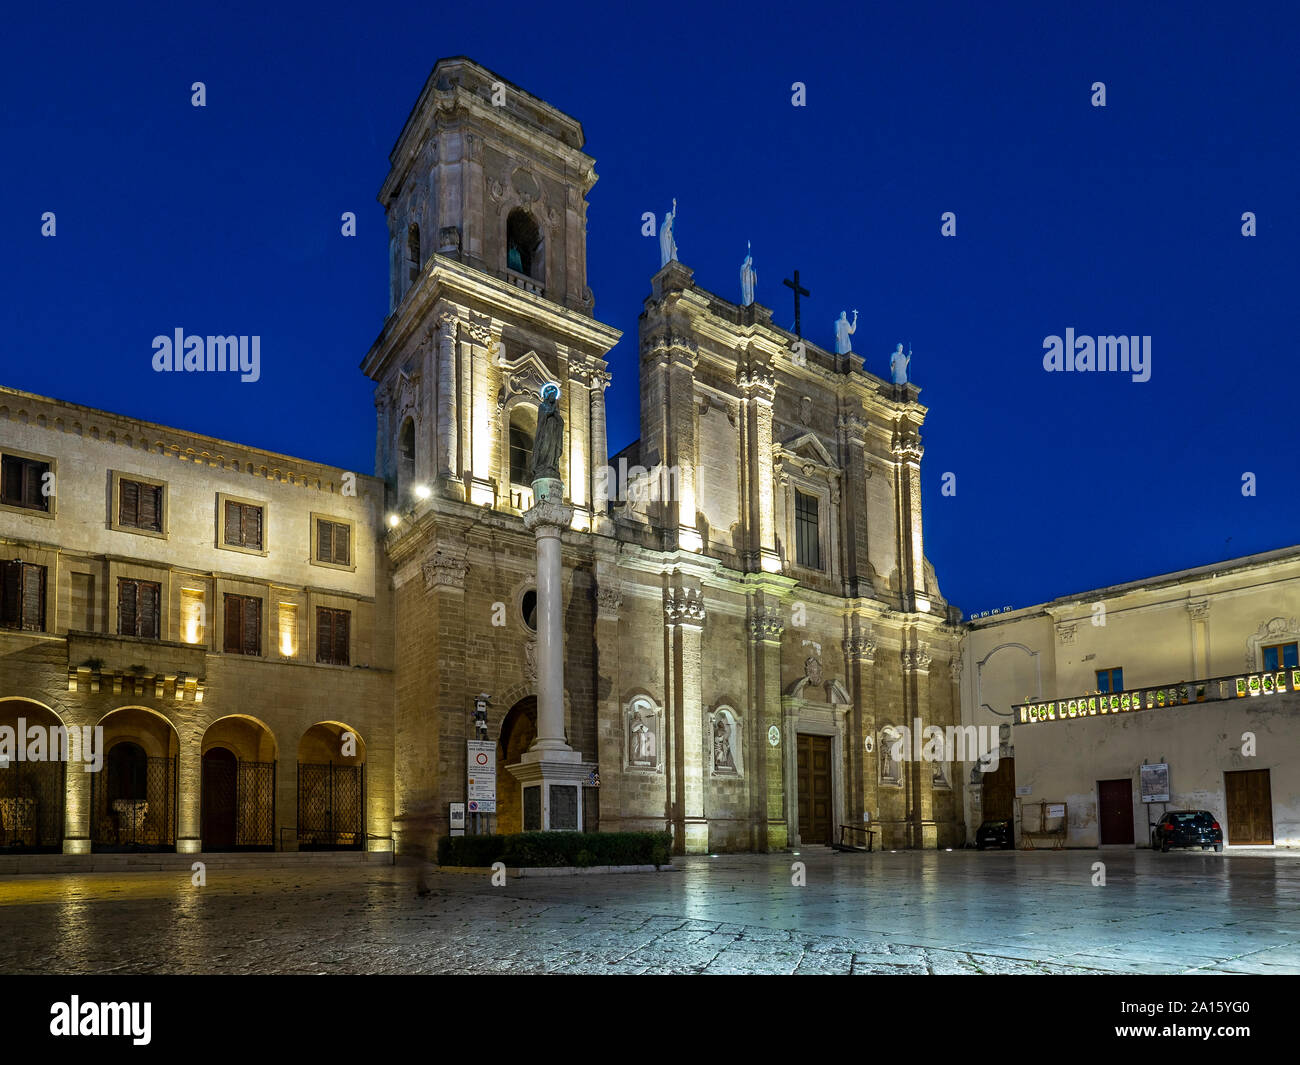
<point x="22" y="596"/>
<point x="23" y="482"/>
<point x="1110" y="680"/>
<point x="332" y="636"/>
<point x="243" y="625"/>
<point x="333" y="542"/>
<point x="243" y="525"/>
<point x="806" y="543"/>
<point x="521" y="454"/>
<point x="192" y="615"/>
<point x="288" y="629"/>
<point x="138" y="608"/>
<point x="1281" y="656"/>
<point x="139" y="505"/>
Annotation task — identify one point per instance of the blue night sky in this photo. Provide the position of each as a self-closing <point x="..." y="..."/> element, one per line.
<point x="1117" y="220"/>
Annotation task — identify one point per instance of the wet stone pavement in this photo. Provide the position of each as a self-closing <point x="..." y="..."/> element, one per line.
<point x="908" y="912"/>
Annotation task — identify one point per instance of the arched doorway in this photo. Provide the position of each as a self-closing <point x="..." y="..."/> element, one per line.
<point x="518" y="731"/>
<point x="238" y="804"/>
<point x="331" y="788"/>
<point x="219" y="768"/>
<point x="133" y="806"/>
<point x="31" y="793"/>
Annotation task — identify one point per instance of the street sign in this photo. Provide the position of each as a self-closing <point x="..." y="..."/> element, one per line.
<point x="457" y="818"/>
<point x="481" y="776"/>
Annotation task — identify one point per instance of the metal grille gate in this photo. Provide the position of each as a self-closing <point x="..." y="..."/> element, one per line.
<point x="139" y="821"/>
<point x="255" y="805"/>
<point x="31" y="807"/>
<point x="330" y="803"/>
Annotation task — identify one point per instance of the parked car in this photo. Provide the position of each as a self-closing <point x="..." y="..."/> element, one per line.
<point x="1187" y="828"/>
<point x="996" y="833"/>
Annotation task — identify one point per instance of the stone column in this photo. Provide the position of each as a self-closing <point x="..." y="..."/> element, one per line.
<point x="601" y="522"/>
<point x="907" y="451"/>
<point x="920" y="773"/>
<point x="479" y="484"/>
<point x="610" y="725"/>
<point x="579" y="447"/>
<point x="545" y="519"/>
<point x="860" y="654"/>
<point x="189" y="781"/>
<point x="684" y="615"/>
<point x="758" y="390"/>
<point x="448" y="481"/>
<point x="681" y="446"/>
<point x="768" y="787"/>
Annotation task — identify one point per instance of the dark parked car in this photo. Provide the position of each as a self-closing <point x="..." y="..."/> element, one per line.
<point x="1187" y="828"/>
<point x="994" y="834"/>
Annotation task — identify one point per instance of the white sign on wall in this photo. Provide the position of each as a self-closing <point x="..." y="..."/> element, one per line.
<point x="1155" y="782"/>
<point x="481" y="776"/>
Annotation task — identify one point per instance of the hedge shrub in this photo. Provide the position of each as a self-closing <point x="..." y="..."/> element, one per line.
<point x="552" y="849"/>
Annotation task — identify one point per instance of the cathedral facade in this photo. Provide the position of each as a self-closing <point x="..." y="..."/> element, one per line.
<point x="749" y="616"/>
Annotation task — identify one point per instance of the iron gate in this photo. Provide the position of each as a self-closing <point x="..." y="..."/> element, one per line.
<point x="255" y="805"/>
<point x="136" y="822"/>
<point x="330" y="803"/>
<point x="31" y="807"/>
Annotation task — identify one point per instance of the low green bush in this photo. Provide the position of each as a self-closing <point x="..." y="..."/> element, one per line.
<point x="553" y="849"/>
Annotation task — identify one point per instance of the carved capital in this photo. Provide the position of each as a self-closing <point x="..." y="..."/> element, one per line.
<point x="684" y="606"/>
<point x="1065" y="633"/>
<point x="608" y="601"/>
<point x="766" y="625"/>
<point x="906" y="446"/>
<point x="1198" y="610"/>
<point x="444" y="571"/>
<point x="670" y="347"/>
<point x="918" y="660"/>
<point x="861" y="647"/>
<point x="546" y="513"/>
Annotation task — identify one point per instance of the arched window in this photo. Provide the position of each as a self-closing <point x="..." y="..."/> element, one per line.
<point x="524" y="252"/>
<point x="522" y="423"/>
<point x="413" y="250"/>
<point x="406" y="459"/>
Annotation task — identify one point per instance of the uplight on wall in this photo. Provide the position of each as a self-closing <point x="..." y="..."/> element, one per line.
<point x="192" y="615"/>
<point x="422" y="491"/>
<point x="288" y="629"/>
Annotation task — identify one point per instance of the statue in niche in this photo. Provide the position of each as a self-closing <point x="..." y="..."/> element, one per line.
<point x="898" y="364"/>
<point x="667" y="245"/>
<point x="722" y="758"/>
<point x="643" y="741"/>
<point x="748" y="277"/>
<point x="513" y="259"/>
<point x="843" y="345"/>
<point x="548" y="444"/>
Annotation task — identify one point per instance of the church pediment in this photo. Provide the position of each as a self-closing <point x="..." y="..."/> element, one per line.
<point x="807" y="448"/>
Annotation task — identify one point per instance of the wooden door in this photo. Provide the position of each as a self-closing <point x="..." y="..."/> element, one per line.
<point x="814" y="790"/>
<point x="219" y="771"/>
<point x="1115" y="810"/>
<point x="998" y="792"/>
<point x="1249" y="796"/>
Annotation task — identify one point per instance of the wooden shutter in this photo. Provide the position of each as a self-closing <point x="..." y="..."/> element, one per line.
<point x="128" y="502"/>
<point x="251" y="523"/>
<point x="126" y="607"/>
<point x="342" y="552"/>
<point x="324" y="634"/>
<point x="234" y="532"/>
<point x="32" y="473"/>
<point x="33" y="580"/>
<point x="341" y="627"/>
<point x="11" y="480"/>
<point x="150" y="615"/>
<point x="11" y="600"/>
<point x="151" y="507"/>
<point x="234" y="624"/>
<point x="252" y="626"/>
<point x="324" y="541"/>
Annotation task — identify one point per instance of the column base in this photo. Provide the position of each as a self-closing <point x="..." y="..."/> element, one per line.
<point x="550" y="785"/>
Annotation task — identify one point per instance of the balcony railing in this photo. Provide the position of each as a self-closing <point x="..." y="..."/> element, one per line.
<point x="525" y="282"/>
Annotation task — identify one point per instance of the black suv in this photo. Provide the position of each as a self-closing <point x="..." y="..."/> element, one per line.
<point x="1187" y="828"/>
<point x="994" y="834"/>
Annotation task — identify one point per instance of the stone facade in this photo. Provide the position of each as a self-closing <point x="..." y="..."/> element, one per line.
<point x="686" y="599"/>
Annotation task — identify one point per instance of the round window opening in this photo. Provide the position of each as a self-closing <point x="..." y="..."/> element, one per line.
<point x="528" y="607"/>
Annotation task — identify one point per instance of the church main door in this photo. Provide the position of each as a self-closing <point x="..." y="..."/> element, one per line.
<point x="814" y="770"/>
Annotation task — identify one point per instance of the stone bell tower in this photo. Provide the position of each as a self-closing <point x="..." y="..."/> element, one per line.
<point x="488" y="298"/>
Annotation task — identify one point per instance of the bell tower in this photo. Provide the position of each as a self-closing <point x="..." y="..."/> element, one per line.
<point x="488" y="298"/>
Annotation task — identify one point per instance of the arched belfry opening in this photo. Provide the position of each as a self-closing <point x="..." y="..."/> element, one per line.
<point x="406" y="460"/>
<point x="524" y="251"/>
<point x="413" y="251"/>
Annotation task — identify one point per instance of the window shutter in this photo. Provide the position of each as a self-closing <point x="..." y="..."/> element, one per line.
<point x="252" y="626"/>
<point x="234" y="624"/>
<point x="324" y="635"/>
<point x="233" y="530"/>
<point x="341" y="545"/>
<point x="32" y="472"/>
<point x="252" y="527"/>
<point x="324" y="550"/>
<point x="150" y="496"/>
<point x="341" y="626"/>
<point x="11" y="480"/>
<point x="34" y="598"/>
<point x="150" y="594"/>
<point x="126" y="608"/>
<point x="11" y="594"/>
<point x="128" y="509"/>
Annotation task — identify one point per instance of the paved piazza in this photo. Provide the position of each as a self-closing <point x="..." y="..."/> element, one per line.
<point x="908" y="912"/>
